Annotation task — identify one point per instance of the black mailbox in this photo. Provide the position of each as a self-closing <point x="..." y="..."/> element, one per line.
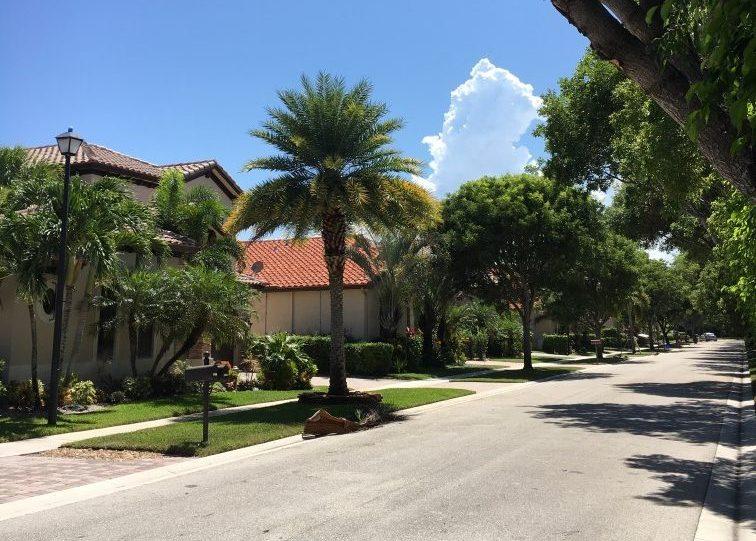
<point x="206" y="374"/>
<point x="211" y="372"/>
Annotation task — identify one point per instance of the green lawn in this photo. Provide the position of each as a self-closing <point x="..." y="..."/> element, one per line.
<point x="251" y="427"/>
<point x="21" y="428"/>
<point x="519" y="376"/>
<point x="438" y="372"/>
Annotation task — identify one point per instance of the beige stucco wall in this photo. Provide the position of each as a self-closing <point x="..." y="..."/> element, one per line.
<point x="15" y="329"/>
<point x="309" y="312"/>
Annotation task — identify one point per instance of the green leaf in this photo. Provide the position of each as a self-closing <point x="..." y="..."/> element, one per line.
<point x="650" y="14"/>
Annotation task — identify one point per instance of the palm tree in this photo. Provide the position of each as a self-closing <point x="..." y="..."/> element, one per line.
<point x="25" y="251"/>
<point x="27" y="240"/>
<point x="335" y="170"/>
<point x="388" y="260"/>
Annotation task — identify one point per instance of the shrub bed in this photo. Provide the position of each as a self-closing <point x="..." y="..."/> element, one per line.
<point x="556" y="343"/>
<point x="362" y="358"/>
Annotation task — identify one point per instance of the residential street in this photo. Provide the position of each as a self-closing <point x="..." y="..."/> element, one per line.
<point x="618" y="451"/>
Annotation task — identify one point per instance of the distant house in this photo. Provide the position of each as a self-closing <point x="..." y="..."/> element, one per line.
<point x="293" y="282"/>
<point x="100" y="351"/>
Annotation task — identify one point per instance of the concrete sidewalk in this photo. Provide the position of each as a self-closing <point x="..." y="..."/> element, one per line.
<point x="47" y="443"/>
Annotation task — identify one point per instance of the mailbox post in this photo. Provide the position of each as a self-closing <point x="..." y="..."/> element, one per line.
<point x="207" y="374"/>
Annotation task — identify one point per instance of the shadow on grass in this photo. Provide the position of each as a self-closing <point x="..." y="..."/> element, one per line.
<point x="538" y="373"/>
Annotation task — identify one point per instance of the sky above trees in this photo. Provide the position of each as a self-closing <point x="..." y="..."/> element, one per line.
<point x="171" y="81"/>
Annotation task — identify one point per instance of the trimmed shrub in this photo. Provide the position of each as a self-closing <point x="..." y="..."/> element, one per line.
<point x="283" y="363"/>
<point x="137" y="388"/>
<point x="613" y="338"/>
<point x="408" y="353"/>
<point x="319" y="350"/>
<point x="83" y="393"/>
<point x="556" y="343"/>
<point x="173" y="382"/>
<point x="117" y="397"/>
<point x="20" y="394"/>
<point x="369" y="358"/>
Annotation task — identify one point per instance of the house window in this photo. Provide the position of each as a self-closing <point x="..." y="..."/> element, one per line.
<point x="106" y="333"/>
<point x="145" y="342"/>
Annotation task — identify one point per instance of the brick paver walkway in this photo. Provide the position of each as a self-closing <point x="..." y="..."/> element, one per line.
<point x="32" y="475"/>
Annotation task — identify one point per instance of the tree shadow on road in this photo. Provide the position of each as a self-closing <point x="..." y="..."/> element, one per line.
<point x="706" y="390"/>
<point x="688" y="420"/>
<point x="687" y="482"/>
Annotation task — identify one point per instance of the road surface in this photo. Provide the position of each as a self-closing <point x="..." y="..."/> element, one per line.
<point x="615" y="452"/>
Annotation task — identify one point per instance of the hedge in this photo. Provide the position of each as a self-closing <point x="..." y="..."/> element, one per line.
<point x="362" y="358"/>
<point x="556" y="343"/>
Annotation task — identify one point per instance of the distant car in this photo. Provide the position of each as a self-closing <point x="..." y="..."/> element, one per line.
<point x="710" y="337"/>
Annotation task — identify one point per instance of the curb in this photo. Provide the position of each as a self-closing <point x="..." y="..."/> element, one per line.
<point x="732" y="482"/>
<point x="51" y="500"/>
<point x="48" y="443"/>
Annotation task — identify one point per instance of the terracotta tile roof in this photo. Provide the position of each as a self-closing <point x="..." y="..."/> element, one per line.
<point x="296" y="265"/>
<point x="91" y="156"/>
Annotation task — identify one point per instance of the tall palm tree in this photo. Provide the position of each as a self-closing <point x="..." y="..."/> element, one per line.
<point x="27" y="240"/>
<point x="335" y="170"/>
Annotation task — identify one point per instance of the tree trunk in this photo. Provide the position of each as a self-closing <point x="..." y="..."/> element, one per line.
<point x="159" y="357"/>
<point x="188" y="344"/>
<point x="527" y="347"/>
<point x="631" y="328"/>
<point x="600" y="346"/>
<point x="81" y="323"/>
<point x="427" y="324"/>
<point x="133" y="346"/>
<point x="67" y="305"/>
<point x="334" y="248"/>
<point x="34" y="359"/>
<point x="664" y="83"/>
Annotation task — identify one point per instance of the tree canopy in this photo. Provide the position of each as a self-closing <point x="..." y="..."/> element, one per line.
<point x="509" y="237"/>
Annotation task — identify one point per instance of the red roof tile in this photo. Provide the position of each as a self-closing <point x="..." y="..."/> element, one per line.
<point x="296" y="265"/>
<point x="96" y="156"/>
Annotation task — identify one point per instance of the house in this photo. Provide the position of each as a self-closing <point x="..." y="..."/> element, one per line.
<point x="294" y="297"/>
<point x="100" y="352"/>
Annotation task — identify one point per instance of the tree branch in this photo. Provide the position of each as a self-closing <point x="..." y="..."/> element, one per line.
<point x="667" y="87"/>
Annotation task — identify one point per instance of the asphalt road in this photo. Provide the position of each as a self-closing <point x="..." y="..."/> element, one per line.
<point x="616" y="452"/>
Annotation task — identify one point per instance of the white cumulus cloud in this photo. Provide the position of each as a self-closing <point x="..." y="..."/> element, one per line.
<point x="487" y="116"/>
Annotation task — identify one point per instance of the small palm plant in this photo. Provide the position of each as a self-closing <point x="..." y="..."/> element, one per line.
<point x="389" y="261"/>
<point x="334" y="170"/>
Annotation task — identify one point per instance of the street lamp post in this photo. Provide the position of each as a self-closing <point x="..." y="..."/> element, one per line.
<point x="68" y="144"/>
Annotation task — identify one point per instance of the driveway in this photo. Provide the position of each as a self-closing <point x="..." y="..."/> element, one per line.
<point x="615" y="452"/>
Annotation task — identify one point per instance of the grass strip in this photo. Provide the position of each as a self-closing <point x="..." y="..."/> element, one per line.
<point x="520" y="376"/>
<point x="25" y="427"/>
<point x="439" y="372"/>
<point x="251" y="427"/>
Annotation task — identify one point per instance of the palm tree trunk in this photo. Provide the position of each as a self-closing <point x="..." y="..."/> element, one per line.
<point x="188" y="344"/>
<point x="133" y="345"/>
<point x="334" y="247"/>
<point x="67" y="304"/>
<point x="34" y="358"/>
<point x="159" y="357"/>
<point x="81" y="323"/>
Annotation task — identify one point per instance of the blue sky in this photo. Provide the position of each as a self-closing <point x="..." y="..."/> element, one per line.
<point x="172" y="81"/>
